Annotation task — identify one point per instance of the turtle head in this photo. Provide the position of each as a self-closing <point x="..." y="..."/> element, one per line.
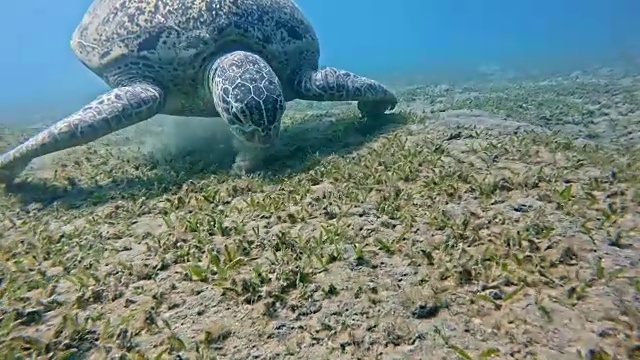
<point x="248" y="95"/>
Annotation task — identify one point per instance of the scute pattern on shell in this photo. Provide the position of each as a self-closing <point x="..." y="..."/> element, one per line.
<point x="155" y="36"/>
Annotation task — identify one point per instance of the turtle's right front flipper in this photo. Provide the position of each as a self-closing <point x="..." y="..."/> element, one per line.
<point x="109" y="112"/>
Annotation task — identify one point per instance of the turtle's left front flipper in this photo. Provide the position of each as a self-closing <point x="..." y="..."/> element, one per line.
<point x="332" y="84"/>
<point x="109" y="112"/>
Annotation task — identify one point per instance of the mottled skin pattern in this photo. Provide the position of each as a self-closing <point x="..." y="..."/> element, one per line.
<point x="241" y="60"/>
<point x="248" y="92"/>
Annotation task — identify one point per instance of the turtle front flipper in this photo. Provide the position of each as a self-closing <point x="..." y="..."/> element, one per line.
<point x="109" y="112"/>
<point x="331" y="84"/>
<point x="248" y="96"/>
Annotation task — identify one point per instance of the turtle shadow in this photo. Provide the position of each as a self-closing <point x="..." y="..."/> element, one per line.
<point x="301" y="146"/>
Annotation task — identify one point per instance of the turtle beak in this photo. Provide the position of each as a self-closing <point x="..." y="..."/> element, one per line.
<point x="255" y="137"/>
<point x="263" y="140"/>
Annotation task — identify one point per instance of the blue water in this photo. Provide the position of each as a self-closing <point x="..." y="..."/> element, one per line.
<point x="38" y="70"/>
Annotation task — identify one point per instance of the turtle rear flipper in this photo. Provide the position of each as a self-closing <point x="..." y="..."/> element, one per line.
<point x="109" y="112"/>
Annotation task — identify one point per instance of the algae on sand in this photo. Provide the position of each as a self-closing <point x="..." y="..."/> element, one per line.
<point x="476" y="222"/>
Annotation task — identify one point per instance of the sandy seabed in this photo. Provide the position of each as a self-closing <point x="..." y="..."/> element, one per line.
<point x="478" y="221"/>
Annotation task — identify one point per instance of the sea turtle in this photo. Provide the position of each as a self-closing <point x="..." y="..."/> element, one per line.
<point x="241" y="60"/>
